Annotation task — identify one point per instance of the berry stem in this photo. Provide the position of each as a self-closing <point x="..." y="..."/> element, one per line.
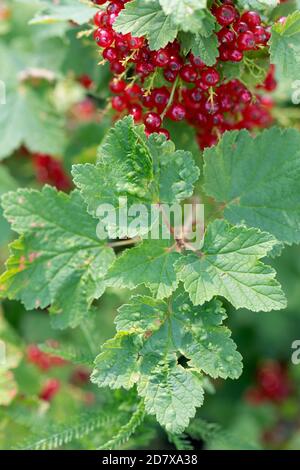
<point x="175" y="84"/>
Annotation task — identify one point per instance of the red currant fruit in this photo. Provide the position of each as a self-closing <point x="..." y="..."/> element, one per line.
<point x="152" y="121"/>
<point x="251" y="18"/>
<point x="119" y="103"/>
<point x="225" y="15"/>
<point x="246" y="41"/>
<point x="104" y="37"/>
<point x="177" y="112"/>
<point x="161" y="58"/>
<point x="117" y="86"/>
<point x="210" y="76"/>
<point x="188" y="73"/>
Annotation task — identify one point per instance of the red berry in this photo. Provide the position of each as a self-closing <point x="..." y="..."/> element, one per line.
<point x="160" y="97"/>
<point x="104" y="37"/>
<point x="188" y="73"/>
<point x="175" y="63"/>
<point x="119" y="103"/>
<point x="246" y="41"/>
<point x="169" y="75"/>
<point x="114" y="7"/>
<point x="50" y="389"/>
<point x="135" y="43"/>
<point x="110" y="54"/>
<point x="99" y="2"/>
<point x="136" y="111"/>
<point x="235" y="55"/>
<point x="261" y="35"/>
<point x="225" y="15"/>
<point x="240" y="27"/>
<point x="161" y="58"/>
<point x="251" y="18"/>
<point x="210" y="76"/>
<point x="226" y="36"/>
<point x="196" y="61"/>
<point x="117" y="67"/>
<point x="177" y="112"/>
<point x="117" y="86"/>
<point x="100" y="18"/>
<point x="164" y="132"/>
<point x="152" y="121"/>
<point x="133" y="92"/>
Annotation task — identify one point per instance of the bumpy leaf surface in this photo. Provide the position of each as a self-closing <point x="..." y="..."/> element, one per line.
<point x="229" y="265"/>
<point x="258" y="179"/>
<point x="58" y="259"/>
<point x="147" y="19"/>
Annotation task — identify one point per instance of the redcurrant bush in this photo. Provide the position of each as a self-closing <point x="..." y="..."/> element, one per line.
<point x="150" y="215"/>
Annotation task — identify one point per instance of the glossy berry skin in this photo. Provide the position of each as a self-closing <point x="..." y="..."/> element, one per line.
<point x="104" y="37"/>
<point x="110" y="54"/>
<point x="226" y="36"/>
<point x="196" y="61"/>
<point x="261" y="35"/>
<point x="160" y="97"/>
<point x="117" y="86"/>
<point x="176" y="112"/>
<point x="99" y="2"/>
<point x="235" y="55"/>
<point x="225" y="15"/>
<point x="161" y="58"/>
<point x="164" y="132"/>
<point x="246" y="41"/>
<point x="251" y="18"/>
<point x="119" y="103"/>
<point x="169" y="75"/>
<point x="175" y="63"/>
<point x="240" y="27"/>
<point x="136" y="111"/>
<point x="210" y="76"/>
<point x="152" y="121"/>
<point x="100" y="18"/>
<point x="117" y="67"/>
<point x="188" y="73"/>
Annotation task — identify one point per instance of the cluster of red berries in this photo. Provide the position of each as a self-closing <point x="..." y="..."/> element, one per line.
<point x="43" y="360"/>
<point x="272" y="384"/>
<point x="193" y="92"/>
<point x="49" y="170"/>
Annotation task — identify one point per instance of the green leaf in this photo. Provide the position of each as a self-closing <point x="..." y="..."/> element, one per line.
<point x="151" y="264"/>
<point x="152" y="336"/>
<point x="201" y="338"/>
<point x="206" y="48"/>
<point x="258" y="179"/>
<point x="147" y="19"/>
<point x="28" y="119"/>
<point x="117" y="365"/>
<point x="58" y="259"/>
<point x="136" y="170"/>
<point x="285" y="46"/>
<point x="143" y="313"/>
<point x="189" y="15"/>
<point x="65" y="10"/>
<point x="196" y="332"/>
<point x="229" y="266"/>
<point x="7" y="183"/>
<point x="171" y="392"/>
